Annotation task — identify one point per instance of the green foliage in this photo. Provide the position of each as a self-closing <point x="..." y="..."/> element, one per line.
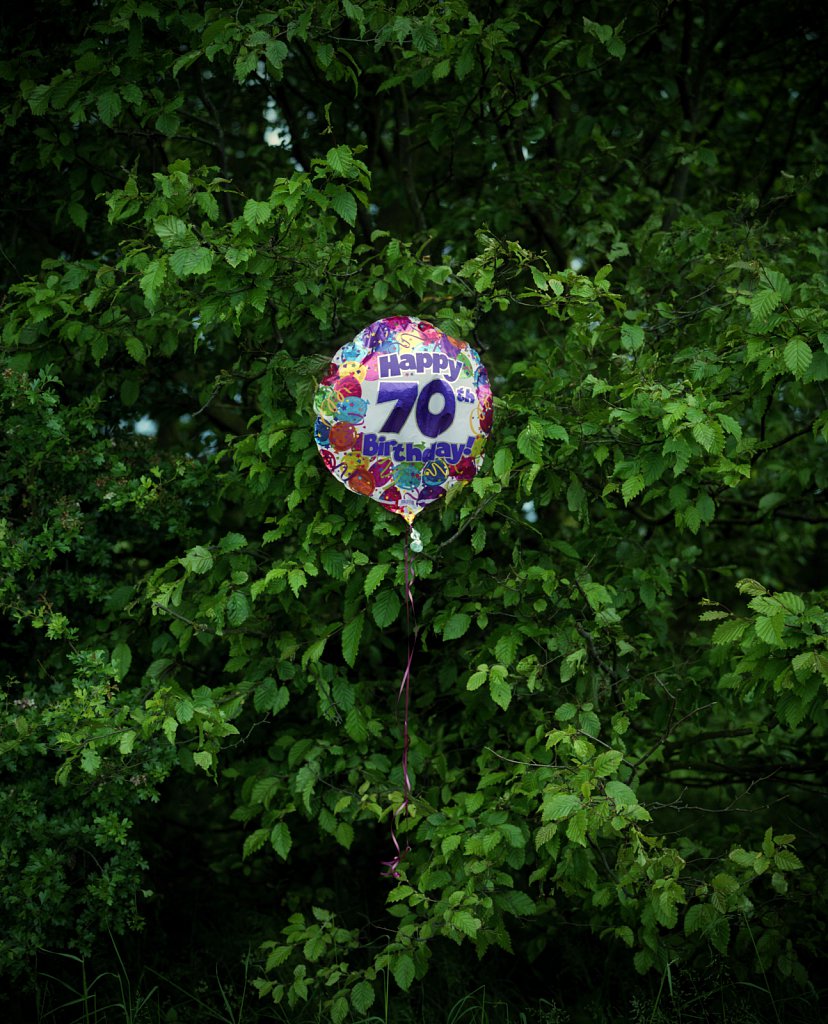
<point x="618" y="701"/>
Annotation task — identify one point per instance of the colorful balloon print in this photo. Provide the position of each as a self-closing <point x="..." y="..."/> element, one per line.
<point x="403" y="414"/>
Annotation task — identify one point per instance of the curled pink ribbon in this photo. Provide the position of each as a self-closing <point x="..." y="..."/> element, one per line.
<point x="393" y="865"/>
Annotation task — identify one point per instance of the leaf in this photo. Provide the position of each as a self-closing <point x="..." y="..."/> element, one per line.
<point x="121" y="660"/>
<point x="256" y="212"/>
<point x="403" y="970"/>
<point x="109" y="107"/>
<point x="238" y="608"/>
<point x="503" y="463"/>
<point x="466" y="922"/>
<point x="506" y="648"/>
<point x="797" y="356"/>
<point x="386" y="608"/>
<point x="456" y="626"/>
<point x="296" y="580"/>
<point x="477" y="679"/>
<point x="705" y="434"/>
<point x="632" y="487"/>
<point x="198" y="560"/>
<point x="339" y="1010"/>
<point x="345" y="206"/>
<point x="168" y="228"/>
<point x="362" y="996"/>
<point x="770" y="628"/>
<point x="350" y="639"/>
<point x="152" y="280"/>
<point x="621" y="794"/>
<point x="204" y="759"/>
<point x="126" y="742"/>
<point x="763" y="303"/>
<point x="136" y="349"/>
<point x="785" y="860"/>
<point x="90" y="761"/>
<point x="191" y="260"/>
<point x="516" y="902"/>
<point x="280" y="839"/>
<point x="729" y="632"/>
<point x="376" y="574"/>
<point x="607" y="763"/>
<point x="555" y="432"/>
<point x="792" y="603"/>
<point x="560" y="806"/>
<point x="530" y="443"/>
<point x="500" y="691"/>
<point x="254" y="842"/>
<point x="576" y="829"/>
<point x="341" y="160"/>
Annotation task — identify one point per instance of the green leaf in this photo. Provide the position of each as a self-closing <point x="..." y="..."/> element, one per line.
<point x="362" y="996"/>
<point x="559" y="806"/>
<point x="607" y="763"/>
<point x="729" y="632"/>
<point x="386" y="608"/>
<point x="456" y="626"/>
<point x="204" y="759"/>
<point x="500" y="691"/>
<point x="254" y="842"/>
<point x="376" y="574"/>
<point x="198" y="560"/>
<point x="344" y="204"/>
<point x="503" y="464"/>
<point x="280" y="839"/>
<point x="350" y="639"/>
<point x="770" y="628"/>
<point x="530" y="443"/>
<point x="109" y="107"/>
<point x="402" y="967"/>
<point x="341" y="160"/>
<point x="126" y="742"/>
<point x="466" y="922"/>
<point x="296" y="580"/>
<point x="621" y="794"/>
<point x="632" y="487"/>
<point x="152" y="280"/>
<point x="136" y="349"/>
<point x="238" y="608"/>
<point x="170" y="228"/>
<point x="191" y="260"/>
<point x="506" y="648"/>
<point x="121" y="660"/>
<point x="785" y="860"/>
<point x="705" y="434"/>
<point x="477" y="679"/>
<point x="256" y="212"/>
<point x="797" y="356"/>
<point x="339" y="1010"/>
<point x="763" y="303"/>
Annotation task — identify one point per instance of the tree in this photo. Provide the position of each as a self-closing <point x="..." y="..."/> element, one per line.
<point x="618" y="718"/>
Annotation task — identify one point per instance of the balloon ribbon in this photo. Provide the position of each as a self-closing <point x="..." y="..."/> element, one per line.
<point x="393" y="865"/>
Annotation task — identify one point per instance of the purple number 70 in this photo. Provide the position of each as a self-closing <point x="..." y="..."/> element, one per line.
<point x="405" y="395"/>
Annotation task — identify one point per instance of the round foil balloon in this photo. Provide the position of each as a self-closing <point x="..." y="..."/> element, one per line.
<point x="403" y="414"/>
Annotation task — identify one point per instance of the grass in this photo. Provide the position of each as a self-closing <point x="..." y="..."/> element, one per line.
<point x="105" y="990"/>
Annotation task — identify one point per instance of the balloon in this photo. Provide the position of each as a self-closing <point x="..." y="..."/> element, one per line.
<point x="403" y="414"/>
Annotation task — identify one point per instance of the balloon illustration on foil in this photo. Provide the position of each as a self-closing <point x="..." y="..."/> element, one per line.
<point x="403" y="414"/>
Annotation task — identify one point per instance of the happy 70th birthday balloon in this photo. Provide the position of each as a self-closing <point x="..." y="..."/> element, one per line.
<point x="403" y="414"/>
